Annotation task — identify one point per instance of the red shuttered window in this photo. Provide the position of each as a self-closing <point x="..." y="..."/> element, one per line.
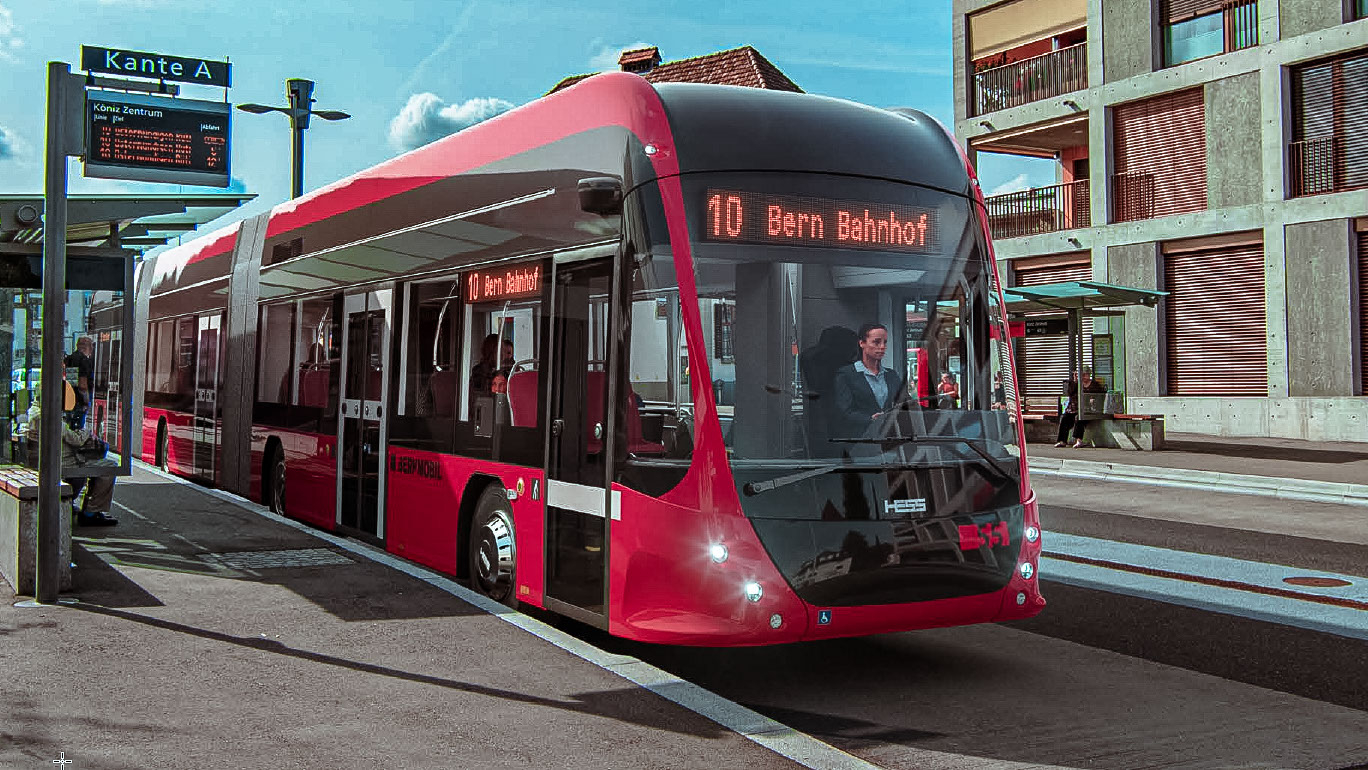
<point x="1329" y="150"/>
<point x="1044" y="360"/>
<point x="1214" y="321"/>
<point x="1160" y="151"/>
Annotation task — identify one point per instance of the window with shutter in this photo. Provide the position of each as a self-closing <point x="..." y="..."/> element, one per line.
<point x="1196" y="29"/>
<point x="1363" y="309"/>
<point x="1044" y="359"/>
<point x="1329" y="149"/>
<point x="1214" y="319"/>
<point x="1160" y="151"/>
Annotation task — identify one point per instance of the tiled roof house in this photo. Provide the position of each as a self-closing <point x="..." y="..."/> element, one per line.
<point x="742" y="66"/>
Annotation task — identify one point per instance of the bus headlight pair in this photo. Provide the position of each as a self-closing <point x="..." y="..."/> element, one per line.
<point x="751" y="589"/>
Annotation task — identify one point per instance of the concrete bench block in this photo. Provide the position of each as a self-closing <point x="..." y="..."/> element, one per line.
<point x="19" y="532"/>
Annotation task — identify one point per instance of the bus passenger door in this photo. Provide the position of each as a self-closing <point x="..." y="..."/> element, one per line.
<point x="361" y="428"/>
<point x="205" y="428"/>
<point x="577" y="500"/>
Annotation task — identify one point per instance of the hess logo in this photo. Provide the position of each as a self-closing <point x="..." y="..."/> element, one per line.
<point x="904" y="507"/>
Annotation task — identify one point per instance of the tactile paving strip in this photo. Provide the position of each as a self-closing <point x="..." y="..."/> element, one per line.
<point x="307" y="557"/>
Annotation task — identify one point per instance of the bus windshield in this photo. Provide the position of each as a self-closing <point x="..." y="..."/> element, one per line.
<point x="787" y="282"/>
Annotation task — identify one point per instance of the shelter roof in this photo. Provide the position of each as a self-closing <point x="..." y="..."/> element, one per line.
<point x="1077" y="295"/>
<point x="132" y="222"/>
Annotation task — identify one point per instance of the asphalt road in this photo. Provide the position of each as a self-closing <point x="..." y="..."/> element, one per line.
<point x="1098" y="680"/>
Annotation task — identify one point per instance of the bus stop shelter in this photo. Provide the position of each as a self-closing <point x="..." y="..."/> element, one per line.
<point x="1076" y="300"/>
<point x="104" y="236"/>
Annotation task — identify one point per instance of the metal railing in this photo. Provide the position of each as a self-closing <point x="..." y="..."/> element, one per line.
<point x="1319" y="166"/>
<point x="1133" y="196"/>
<point x="1040" y="210"/>
<point x="1030" y="80"/>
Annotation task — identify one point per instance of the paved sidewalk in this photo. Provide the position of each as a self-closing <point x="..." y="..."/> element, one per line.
<point x="1335" y="472"/>
<point x="209" y="635"/>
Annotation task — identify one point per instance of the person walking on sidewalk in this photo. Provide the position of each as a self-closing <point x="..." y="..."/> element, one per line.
<point x="1068" y="419"/>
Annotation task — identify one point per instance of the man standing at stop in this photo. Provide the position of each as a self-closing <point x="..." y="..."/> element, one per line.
<point x="83" y="361"/>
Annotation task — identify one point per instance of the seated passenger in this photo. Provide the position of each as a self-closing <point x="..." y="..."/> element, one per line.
<point x="482" y="375"/>
<point x="94" y="510"/>
<point x="865" y="389"/>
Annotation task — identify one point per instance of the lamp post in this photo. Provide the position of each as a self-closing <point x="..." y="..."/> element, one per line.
<point x="300" y="93"/>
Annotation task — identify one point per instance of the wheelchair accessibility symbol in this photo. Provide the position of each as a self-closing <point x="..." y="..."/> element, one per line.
<point x="823" y="617"/>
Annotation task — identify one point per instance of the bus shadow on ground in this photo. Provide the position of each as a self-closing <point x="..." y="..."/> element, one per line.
<point x="172" y="528"/>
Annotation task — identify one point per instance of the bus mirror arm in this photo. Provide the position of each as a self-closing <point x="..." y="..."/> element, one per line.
<point x="601" y="195"/>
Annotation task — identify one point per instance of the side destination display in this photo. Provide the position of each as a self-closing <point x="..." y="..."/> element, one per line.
<point x="156" y="139"/>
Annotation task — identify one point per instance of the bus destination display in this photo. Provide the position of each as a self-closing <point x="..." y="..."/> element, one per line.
<point x="156" y="139"/>
<point x="791" y="220"/>
<point x="503" y="283"/>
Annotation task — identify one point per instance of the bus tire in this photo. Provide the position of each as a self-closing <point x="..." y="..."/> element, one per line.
<point x="493" y="550"/>
<point x="163" y="452"/>
<point x="275" y="481"/>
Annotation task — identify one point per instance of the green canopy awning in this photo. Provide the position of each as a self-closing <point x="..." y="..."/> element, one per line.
<point x="1077" y="295"/>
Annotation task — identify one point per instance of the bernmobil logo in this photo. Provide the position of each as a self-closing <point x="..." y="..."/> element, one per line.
<point x="416" y="466"/>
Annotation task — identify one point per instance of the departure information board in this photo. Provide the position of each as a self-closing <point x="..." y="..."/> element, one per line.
<point x="156" y="139"/>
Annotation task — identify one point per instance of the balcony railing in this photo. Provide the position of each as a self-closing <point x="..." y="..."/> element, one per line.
<point x="1133" y="196"/>
<point x="1030" y="80"/>
<point x="1319" y="166"/>
<point x="1040" y="210"/>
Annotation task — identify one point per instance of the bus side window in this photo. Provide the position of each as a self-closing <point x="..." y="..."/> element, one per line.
<point x="273" y="371"/>
<point x="313" y="346"/>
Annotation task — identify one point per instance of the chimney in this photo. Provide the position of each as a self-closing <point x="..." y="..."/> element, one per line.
<point x="639" y="60"/>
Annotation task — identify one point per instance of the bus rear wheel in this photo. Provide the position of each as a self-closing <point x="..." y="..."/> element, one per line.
<point x="493" y="551"/>
<point x="163" y="449"/>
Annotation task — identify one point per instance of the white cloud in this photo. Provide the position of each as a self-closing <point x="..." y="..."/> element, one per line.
<point x="9" y="41"/>
<point x="426" y="118"/>
<point x="10" y="146"/>
<point x="607" y="57"/>
<point x="1015" y="184"/>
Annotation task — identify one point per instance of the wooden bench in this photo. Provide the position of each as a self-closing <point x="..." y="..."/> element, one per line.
<point x="19" y="529"/>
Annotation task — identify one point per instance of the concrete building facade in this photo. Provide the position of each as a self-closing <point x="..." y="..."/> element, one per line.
<point x="1209" y="149"/>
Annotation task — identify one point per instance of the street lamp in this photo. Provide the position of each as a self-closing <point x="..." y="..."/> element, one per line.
<point x="300" y="92"/>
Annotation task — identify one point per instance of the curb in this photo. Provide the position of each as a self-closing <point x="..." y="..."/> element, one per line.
<point x="1266" y="486"/>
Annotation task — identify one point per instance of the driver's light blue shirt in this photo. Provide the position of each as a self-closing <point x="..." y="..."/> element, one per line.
<point x="876" y="381"/>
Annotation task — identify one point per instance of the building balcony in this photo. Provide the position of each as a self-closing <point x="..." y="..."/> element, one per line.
<point x="1040" y="210"/>
<point x="1030" y="80"/>
<point x="1133" y="197"/>
<point x="1321" y="166"/>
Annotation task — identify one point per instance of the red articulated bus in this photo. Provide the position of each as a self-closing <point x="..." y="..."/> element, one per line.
<point x="590" y="354"/>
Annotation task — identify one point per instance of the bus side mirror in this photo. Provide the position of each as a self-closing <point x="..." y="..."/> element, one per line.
<point x="601" y="195"/>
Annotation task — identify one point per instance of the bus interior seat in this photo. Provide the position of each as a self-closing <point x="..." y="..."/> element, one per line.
<point x="442" y="385"/>
<point x="522" y="398"/>
<point x="313" y="387"/>
<point x="594" y="386"/>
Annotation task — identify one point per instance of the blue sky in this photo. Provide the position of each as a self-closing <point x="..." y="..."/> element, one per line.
<point x="411" y="70"/>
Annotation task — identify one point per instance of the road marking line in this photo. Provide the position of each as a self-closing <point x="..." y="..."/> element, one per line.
<point x="1234" y="585"/>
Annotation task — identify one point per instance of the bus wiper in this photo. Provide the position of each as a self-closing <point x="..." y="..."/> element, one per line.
<point x="973" y="444"/>
<point x="756" y="487"/>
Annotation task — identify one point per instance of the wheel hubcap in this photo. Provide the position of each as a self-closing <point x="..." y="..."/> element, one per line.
<point x="278" y="488"/>
<point x="494" y="560"/>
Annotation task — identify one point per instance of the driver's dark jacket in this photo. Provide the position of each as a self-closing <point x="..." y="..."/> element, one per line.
<point x="855" y="402"/>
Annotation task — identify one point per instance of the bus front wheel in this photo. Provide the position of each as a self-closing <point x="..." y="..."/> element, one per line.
<point x="276" y="496"/>
<point x="493" y="552"/>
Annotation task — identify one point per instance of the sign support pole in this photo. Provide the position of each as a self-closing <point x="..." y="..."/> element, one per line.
<point x="66" y="98"/>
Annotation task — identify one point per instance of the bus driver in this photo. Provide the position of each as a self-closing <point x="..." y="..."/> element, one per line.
<point x="865" y="389"/>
